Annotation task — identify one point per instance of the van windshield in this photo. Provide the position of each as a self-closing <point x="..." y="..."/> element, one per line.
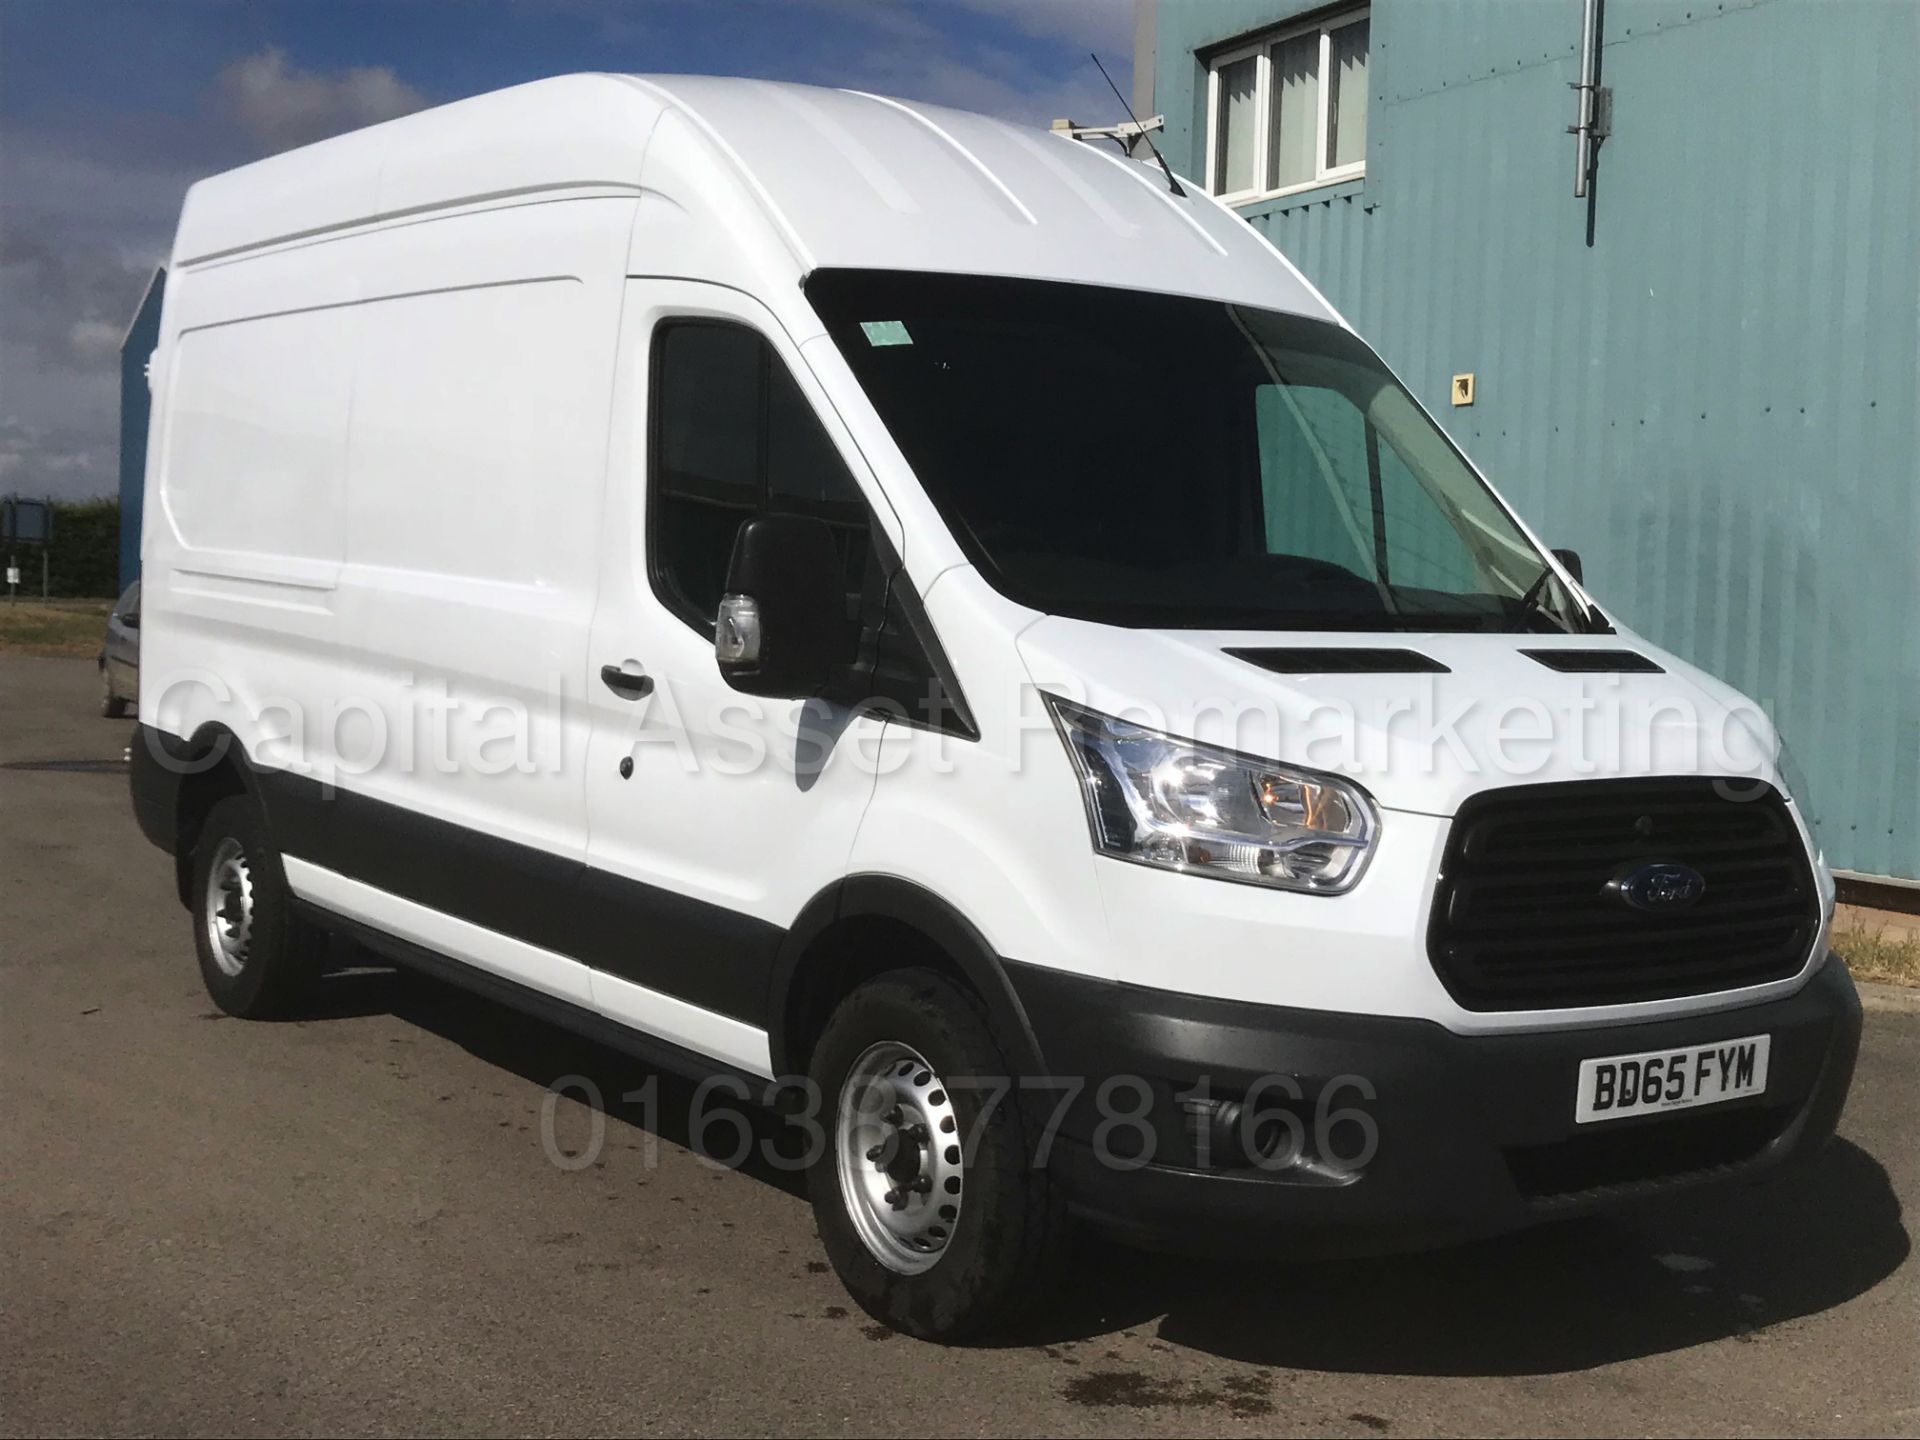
<point x="1154" y="460"/>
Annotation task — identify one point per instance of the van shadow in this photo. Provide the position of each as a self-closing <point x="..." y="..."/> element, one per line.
<point x="1568" y="1296"/>
<point x="1561" y="1297"/>
<point x="542" y="1053"/>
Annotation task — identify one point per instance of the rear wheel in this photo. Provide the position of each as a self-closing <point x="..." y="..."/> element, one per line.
<point x="257" y="958"/>
<point x="932" y="1213"/>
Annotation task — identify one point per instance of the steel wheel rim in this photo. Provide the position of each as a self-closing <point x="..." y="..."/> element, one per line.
<point x="229" y="907"/>
<point x="897" y="1147"/>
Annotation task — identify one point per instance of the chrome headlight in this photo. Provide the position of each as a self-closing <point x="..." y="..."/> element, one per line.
<point x="1181" y="805"/>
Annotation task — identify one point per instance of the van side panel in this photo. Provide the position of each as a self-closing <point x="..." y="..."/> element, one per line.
<point x="477" y="455"/>
<point x="384" y="507"/>
<point x="246" y="491"/>
<point x="468" y="459"/>
<point x="268" y="458"/>
<point x="476" y="465"/>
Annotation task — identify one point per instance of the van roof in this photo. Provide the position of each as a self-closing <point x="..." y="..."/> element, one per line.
<point x="845" y="179"/>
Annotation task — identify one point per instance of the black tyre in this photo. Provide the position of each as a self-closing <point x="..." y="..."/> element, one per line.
<point x="936" y="1219"/>
<point x="111" y="705"/>
<point x="257" y="958"/>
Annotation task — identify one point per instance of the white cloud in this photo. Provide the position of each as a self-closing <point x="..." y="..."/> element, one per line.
<point x="909" y="55"/>
<point x="1105" y="26"/>
<point x="278" y="105"/>
<point x="57" y="463"/>
<point x="91" y="339"/>
<point x="88" y="216"/>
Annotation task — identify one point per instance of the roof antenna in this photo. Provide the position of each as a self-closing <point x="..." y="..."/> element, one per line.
<point x="1138" y="128"/>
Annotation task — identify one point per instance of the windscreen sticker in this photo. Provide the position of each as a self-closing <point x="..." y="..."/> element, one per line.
<point x="886" y="332"/>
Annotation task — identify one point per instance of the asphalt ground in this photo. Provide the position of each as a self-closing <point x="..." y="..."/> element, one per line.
<point x="355" y="1223"/>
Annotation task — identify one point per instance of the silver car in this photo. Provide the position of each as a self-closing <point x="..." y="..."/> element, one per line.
<point x="120" y="656"/>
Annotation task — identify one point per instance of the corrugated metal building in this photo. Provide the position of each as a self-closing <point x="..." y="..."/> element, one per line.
<point x="1702" y="376"/>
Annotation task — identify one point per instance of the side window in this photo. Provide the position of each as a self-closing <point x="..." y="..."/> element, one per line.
<point x="732" y="436"/>
<point x="805" y="476"/>
<point x="706" y="472"/>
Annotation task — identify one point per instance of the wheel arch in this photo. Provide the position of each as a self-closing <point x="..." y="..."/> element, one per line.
<point x="864" y="925"/>
<point x="177" y="780"/>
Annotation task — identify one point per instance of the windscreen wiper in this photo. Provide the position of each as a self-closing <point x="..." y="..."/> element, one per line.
<point x="1530" y="602"/>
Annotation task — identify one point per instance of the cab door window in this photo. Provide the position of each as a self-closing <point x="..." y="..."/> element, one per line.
<point x="732" y="436"/>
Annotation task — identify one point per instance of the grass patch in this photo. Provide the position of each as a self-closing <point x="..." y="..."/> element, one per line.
<point x="1875" y="955"/>
<point x="60" y="628"/>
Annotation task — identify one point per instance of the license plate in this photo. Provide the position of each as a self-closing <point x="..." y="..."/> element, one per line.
<point x="1622" y="1085"/>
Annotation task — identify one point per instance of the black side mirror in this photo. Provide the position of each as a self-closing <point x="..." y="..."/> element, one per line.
<point x="1570" y="562"/>
<point x="131" y="620"/>
<point x="781" y="630"/>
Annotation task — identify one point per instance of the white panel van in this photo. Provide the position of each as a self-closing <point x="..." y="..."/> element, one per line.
<point x="946" y="626"/>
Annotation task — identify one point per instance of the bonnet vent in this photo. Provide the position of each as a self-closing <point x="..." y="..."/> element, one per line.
<point x="1339" y="660"/>
<point x="1595" y="662"/>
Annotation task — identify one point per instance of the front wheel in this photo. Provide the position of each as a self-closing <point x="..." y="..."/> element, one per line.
<point x="257" y="958"/>
<point x="933" y="1213"/>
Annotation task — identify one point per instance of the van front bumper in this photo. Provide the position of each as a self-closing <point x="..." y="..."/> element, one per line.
<point x="1470" y="1135"/>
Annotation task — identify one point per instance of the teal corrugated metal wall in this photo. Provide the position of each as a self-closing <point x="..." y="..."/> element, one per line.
<point x="1714" y="401"/>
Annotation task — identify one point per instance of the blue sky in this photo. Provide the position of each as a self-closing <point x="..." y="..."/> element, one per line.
<point x="110" y="108"/>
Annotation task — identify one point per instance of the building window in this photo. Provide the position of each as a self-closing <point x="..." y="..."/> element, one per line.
<point x="1288" y="109"/>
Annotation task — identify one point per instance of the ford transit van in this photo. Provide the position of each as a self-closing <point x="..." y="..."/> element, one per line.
<point x="946" y="630"/>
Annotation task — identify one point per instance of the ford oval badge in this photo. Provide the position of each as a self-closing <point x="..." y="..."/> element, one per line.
<point x="1661" y="886"/>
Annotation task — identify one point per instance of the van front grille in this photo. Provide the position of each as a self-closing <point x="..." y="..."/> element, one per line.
<point x="1530" y="915"/>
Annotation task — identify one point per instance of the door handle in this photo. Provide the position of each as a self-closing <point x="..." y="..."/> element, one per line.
<point x="625" y="683"/>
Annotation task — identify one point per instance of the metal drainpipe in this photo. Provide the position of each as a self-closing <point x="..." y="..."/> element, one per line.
<point x="1583" y="116"/>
